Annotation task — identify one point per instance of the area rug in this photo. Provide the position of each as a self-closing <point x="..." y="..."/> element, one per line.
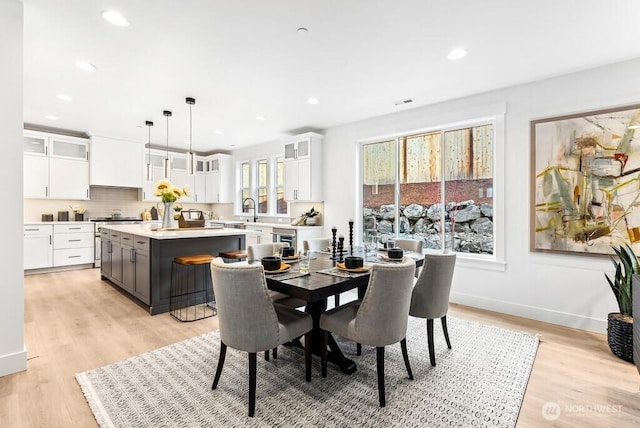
<point x="479" y="383"/>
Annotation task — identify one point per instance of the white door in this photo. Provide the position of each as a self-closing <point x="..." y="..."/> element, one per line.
<point x="36" y="176"/>
<point x="38" y="251"/>
<point x="68" y="179"/>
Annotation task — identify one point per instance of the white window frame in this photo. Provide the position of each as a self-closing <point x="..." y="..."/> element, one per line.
<point x="272" y="194"/>
<point x="492" y="114"/>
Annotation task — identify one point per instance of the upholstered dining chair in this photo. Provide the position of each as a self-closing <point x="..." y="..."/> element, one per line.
<point x="255" y="253"/>
<point x="430" y="297"/>
<point x="249" y="321"/>
<point x="379" y="319"/>
<point x="316" y="244"/>
<point x="414" y="245"/>
<point x="320" y="244"/>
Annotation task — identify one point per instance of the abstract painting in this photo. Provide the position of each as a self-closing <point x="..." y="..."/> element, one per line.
<point x="586" y="181"/>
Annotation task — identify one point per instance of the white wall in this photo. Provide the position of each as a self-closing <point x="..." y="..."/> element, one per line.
<point x="13" y="356"/>
<point x="561" y="289"/>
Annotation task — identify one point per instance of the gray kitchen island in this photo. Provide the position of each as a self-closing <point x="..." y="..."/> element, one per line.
<point x="138" y="258"/>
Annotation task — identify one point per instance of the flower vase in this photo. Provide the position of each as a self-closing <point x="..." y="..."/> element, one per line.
<point x="167" y="215"/>
<point x="311" y="221"/>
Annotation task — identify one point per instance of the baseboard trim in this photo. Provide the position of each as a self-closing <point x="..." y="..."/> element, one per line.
<point x="532" y="312"/>
<point x="13" y="363"/>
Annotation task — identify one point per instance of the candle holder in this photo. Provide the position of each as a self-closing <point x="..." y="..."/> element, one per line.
<point x="341" y="248"/>
<point x="351" y="237"/>
<point x="333" y="243"/>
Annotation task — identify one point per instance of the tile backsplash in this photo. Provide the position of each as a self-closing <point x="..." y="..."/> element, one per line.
<point x="104" y="200"/>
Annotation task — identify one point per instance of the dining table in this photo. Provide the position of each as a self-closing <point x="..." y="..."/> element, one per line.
<point x="326" y="279"/>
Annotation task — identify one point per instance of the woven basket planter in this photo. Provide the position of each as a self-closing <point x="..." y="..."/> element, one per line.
<point x="620" y="335"/>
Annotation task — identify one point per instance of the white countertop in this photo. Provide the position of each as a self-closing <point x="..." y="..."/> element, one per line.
<point x="260" y="224"/>
<point x="147" y="231"/>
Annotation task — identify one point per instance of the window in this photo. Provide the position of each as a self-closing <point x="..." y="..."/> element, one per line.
<point x="281" y="203"/>
<point x="436" y="186"/>
<point x="263" y="186"/>
<point x="262" y="180"/>
<point x="245" y="187"/>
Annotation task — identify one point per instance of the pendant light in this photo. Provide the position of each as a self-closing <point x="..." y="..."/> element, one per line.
<point x="149" y="168"/>
<point x="167" y="172"/>
<point x="191" y="159"/>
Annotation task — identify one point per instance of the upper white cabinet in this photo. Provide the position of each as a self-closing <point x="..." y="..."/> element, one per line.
<point x="219" y="181"/>
<point x="200" y="182"/>
<point x="117" y="163"/>
<point x="55" y="166"/>
<point x="179" y="175"/>
<point x="157" y="172"/>
<point x="303" y="168"/>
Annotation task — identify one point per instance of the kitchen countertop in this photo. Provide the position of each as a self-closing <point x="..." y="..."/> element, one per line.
<point x="260" y="224"/>
<point x="147" y="231"/>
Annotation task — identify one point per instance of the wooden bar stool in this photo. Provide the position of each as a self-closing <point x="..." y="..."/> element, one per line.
<point x="233" y="256"/>
<point x="191" y="296"/>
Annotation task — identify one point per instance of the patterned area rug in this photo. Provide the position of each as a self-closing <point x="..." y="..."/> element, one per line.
<point x="479" y="383"/>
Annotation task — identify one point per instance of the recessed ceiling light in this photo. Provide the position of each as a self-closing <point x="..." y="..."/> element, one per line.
<point x="302" y="30"/>
<point x="86" y="66"/>
<point x="312" y="101"/>
<point x="219" y="132"/>
<point x="260" y="118"/>
<point x="457" y="54"/>
<point x="51" y="117"/>
<point x="63" y="97"/>
<point x="113" y="17"/>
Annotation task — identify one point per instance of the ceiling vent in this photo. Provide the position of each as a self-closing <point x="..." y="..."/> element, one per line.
<point x="401" y="102"/>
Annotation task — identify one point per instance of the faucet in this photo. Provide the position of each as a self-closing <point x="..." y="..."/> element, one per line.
<point x="255" y="218"/>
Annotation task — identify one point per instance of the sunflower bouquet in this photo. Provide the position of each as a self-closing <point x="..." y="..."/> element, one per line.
<point x="168" y="192"/>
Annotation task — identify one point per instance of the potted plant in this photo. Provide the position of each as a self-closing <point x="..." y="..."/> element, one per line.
<point x="620" y="324"/>
<point x="310" y="217"/>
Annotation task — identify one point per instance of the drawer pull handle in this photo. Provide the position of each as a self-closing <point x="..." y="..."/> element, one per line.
<point x="74" y="240"/>
<point x="74" y="257"/>
<point x="32" y="230"/>
<point x="74" y="228"/>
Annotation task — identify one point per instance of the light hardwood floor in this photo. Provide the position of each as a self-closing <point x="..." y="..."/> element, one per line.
<point x="76" y="322"/>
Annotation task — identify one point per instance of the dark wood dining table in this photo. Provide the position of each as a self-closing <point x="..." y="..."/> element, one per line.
<point x="315" y="289"/>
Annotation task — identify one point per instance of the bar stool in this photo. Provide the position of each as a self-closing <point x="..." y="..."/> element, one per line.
<point x="191" y="295"/>
<point x="233" y="256"/>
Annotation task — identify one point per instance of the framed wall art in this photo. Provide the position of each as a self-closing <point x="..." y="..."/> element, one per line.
<point x="585" y="193"/>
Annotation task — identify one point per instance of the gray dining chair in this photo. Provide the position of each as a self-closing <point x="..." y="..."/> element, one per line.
<point x="249" y="321"/>
<point x="379" y="319"/>
<point x="316" y="245"/>
<point x="430" y="297"/>
<point x="255" y="253"/>
<point x="414" y="245"/>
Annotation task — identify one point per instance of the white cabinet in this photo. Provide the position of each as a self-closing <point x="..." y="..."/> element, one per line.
<point x="179" y="175"/>
<point x="303" y="168"/>
<point x="200" y="182"/>
<point x="38" y="246"/>
<point x="117" y="163"/>
<point x="219" y="183"/>
<point x="157" y="173"/>
<point x="263" y="235"/>
<point x="73" y="244"/>
<point x="55" y="167"/>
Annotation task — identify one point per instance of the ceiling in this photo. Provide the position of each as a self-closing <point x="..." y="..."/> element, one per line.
<point x="243" y="59"/>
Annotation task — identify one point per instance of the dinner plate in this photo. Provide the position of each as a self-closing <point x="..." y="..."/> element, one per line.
<point x="283" y="268"/>
<point x="356" y="270"/>
<point x="387" y="258"/>
<point x="291" y="258"/>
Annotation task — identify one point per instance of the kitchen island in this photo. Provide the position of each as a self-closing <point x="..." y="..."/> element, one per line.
<point x="138" y="258"/>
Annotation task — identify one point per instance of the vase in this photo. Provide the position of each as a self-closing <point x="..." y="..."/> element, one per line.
<point x="167" y="215"/>
<point x="311" y="221"/>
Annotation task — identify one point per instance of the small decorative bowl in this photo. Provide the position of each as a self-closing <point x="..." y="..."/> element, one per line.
<point x="353" y="262"/>
<point x="271" y="263"/>
<point x="395" y="253"/>
<point x="288" y="252"/>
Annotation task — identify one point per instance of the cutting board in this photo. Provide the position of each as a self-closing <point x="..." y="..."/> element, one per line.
<point x="154" y="213"/>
